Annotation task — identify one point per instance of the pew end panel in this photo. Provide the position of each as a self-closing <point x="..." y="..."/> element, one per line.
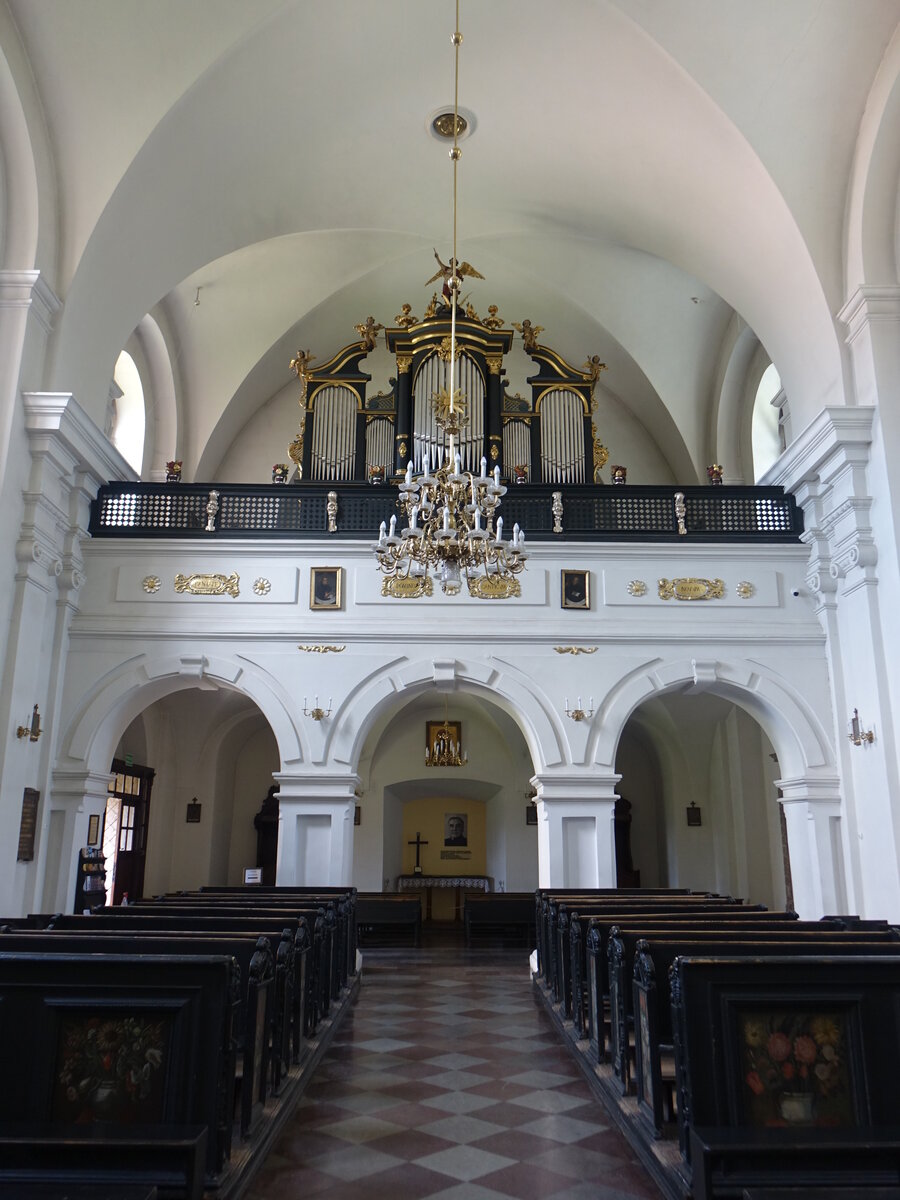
<point x="794" y="1054"/>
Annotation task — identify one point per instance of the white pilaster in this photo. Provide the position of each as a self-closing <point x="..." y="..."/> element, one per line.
<point x="576" y="830"/>
<point x="315" y="833"/>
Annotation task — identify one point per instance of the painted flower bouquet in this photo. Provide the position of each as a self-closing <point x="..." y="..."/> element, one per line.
<point x="797" y="1060"/>
<point x="106" y="1062"/>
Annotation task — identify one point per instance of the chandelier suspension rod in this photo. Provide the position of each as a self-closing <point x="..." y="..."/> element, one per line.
<point x="454" y="262"/>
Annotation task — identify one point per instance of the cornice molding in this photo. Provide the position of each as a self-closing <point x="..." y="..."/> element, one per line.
<point x="837" y="430"/>
<point x="869" y="304"/>
<point x="27" y="289"/>
<point x="58" y="416"/>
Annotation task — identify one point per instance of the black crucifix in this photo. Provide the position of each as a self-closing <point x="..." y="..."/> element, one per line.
<point x="418" y="843"/>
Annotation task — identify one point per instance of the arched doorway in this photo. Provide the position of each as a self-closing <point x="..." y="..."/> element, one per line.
<point x="213" y="755"/>
<point x="700" y="774"/>
<point x="401" y="794"/>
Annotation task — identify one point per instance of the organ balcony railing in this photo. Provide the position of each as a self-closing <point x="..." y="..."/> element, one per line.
<point x="352" y="510"/>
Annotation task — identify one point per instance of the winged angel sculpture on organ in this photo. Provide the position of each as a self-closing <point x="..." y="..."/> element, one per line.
<point x="446" y="272"/>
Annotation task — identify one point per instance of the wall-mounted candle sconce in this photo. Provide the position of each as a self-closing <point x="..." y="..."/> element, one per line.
<point x="317" y="714"/>
<point x="578" y="713"/>
<point x="857" y="735"/>
<point x="32" y="731"/>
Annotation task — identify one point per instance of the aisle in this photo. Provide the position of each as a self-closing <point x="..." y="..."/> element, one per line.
<point x="447" y="1081"/>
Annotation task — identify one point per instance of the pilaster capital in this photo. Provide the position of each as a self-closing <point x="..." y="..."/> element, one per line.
<point x="575" y="787"/>
<point x="837" y="437"/>
<point x="27" y="289"/>
<point x="820" y="792"/>
<point x="75" y="787"/>
<point x="321" y="789"/>
<point x="870" y="304"/>
<point x="57" y="425"/>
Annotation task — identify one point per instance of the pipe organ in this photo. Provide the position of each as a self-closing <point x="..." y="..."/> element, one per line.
<point x="547" y="437"/>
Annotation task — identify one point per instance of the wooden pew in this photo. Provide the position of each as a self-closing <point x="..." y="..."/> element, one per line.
<point x="284" y="933"/>
<point x="147" y="1038"/>
<point x="505" y="914"/>
<point x="252" y="984"/>
<point x="639" y="997"/>
<point x="379" y="916"/>
<point x="738" y="1023"/>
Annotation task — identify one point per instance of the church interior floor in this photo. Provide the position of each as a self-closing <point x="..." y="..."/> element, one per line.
<point x="447" y="1080"/>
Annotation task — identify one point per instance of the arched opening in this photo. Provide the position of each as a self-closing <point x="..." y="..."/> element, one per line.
<point x="699" y="773"/>
<point x="403" y="796"/>
<point x="130" y="417"/>
<point x="206" y="747"/>
<point x="766" y="428"/>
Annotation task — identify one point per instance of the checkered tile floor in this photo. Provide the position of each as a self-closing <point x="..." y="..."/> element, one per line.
<point x="447" y="1081"/>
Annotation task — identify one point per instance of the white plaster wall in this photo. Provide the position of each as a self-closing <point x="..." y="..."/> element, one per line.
<point x="256" y="761"/>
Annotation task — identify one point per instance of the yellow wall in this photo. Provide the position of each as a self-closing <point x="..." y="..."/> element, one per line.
<point x="427" y="818"/>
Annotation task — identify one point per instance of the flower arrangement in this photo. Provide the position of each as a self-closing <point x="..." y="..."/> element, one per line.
<point x="108" y="1062"/>
<point x="789" y="1055"/>
<point x="280" y="473"/>
<point x="376" y="474"/>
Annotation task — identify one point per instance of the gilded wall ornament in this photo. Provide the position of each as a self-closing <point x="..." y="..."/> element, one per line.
<point x="408" y="587"/>
<point x="691" y="589"/>
<point x="575" y="649"/>
<point x="637" y="587"/>
<point x="404" y="362"/>
<point x="557" y="510"/>
<point x="529" y="333"/>
<point x="404" y="319"/>
<point x="331" y="510"/>
<point x="262" y="587"/>
<point x="745" y="589"/>
<point x="209" y="585"/>
<point x="493" y="587"/>
<point x="322" y="649"/>
<point x="368" y="333"/>
<point x="151" y="583"/>
<point x="401" y="450"/>
<point x="494" y="362"/>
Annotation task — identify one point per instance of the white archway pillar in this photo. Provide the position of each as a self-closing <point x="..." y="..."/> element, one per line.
<point x="75" y="797"/>
<point x="576" y="831"/>
<point x="315" y="829"/>
<point x="812" y="813"/>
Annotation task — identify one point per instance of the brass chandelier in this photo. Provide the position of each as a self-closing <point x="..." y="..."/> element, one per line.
<point x="452" y="528"/>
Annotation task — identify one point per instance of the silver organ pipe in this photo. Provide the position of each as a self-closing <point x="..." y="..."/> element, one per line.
<point x="429" y="443"/>
<point x="333" y="452"/>
<point x="516" y="446"/>
<point x="380" y="445"/>
<point x="562" y="437"/>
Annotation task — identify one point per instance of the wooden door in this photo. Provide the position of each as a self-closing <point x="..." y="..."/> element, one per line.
<point x="130" y="796"/>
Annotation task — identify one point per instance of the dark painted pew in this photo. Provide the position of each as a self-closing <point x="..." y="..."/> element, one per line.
<point x="381" y="917"/>
<point x="503" y="914"/>
<point x="88" y="1037"/>
<point x="744" y="1120"/>
<point x="133" y="921"/>
<point x="638" y="983"/>
<point x="254" y="996"/>
<point x="734" y="924"/>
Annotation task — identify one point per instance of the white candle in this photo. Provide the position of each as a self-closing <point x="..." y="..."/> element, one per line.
<point x="579" y="702"/>
<point x="329" y="704"/>
<point x="567" y="703"/>
<point x="478" y="518"/>
<point x="316" y="702"/>
<point x="496" y="476"/>
<point x="499" y="529"/>
<point x="456" y="463"/>
<point x="515" y="540"/>
<point x="393" y="524"/>
<point x="408" y="474"/>
<point x="414" y="517"/>
<point x="382" y="533"/>
<point x="483" y="467"/>
<point x="591" y="703"/>
<point x="446" y="519"/>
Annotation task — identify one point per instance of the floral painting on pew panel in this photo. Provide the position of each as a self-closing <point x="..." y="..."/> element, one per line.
<point x="795" y="1068"/>
<point x="110" y="1068"/>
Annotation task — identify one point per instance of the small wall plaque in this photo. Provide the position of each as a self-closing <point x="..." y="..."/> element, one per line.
<point x="94" y="829"/>
<point x="530" y="815"/>
<point x="252" y="874"/>
<point x="28" y="825"/>
<point x="192" y="815"/>
<point x="694" y="814"/>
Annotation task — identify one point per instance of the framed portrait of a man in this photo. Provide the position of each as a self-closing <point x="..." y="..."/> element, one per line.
<point x="575" y="589"/>
<point x="456" y="829"/>
<point x="325" y="587"/>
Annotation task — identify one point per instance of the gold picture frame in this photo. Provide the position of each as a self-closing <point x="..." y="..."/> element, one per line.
<point x="93" y="837"/>
<point x="325" y="587"/>
<point x="575" y="589"/>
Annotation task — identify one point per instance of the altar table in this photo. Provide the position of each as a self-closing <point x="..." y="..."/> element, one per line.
<point x="462" y="883"/>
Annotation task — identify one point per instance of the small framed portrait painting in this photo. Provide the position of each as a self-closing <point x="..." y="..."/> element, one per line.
<point x="576" y="589"/>
<point x="456" y="829"/>
<point x="325" y="587"/>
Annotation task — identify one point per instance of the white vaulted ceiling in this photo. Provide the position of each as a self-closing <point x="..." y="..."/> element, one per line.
<point x="643" y="174"/>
